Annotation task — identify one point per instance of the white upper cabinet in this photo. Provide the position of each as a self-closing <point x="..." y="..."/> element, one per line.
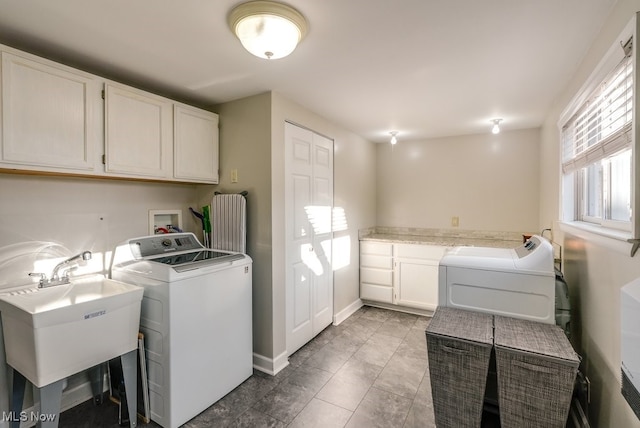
<point x="48" y="118"/>
<point x="195" y="138"/>
<point x="53" y="119"/>
<point x="138" y="133"/>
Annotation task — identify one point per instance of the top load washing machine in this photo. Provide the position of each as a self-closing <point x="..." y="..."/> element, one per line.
<point x="196" y="317"/>
<point x="517" y="282"/>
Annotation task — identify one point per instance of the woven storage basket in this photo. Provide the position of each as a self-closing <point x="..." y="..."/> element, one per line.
<point x="459" y="346"/>
<point x="536" y="371"/>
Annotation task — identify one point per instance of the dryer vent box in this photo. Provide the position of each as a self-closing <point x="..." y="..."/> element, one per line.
<point x="630" y="343"/>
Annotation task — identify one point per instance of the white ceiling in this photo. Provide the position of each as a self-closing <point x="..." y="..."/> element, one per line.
<point x="426" y="68"/>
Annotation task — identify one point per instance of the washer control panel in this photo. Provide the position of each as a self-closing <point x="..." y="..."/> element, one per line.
<point x="161" y="244"/>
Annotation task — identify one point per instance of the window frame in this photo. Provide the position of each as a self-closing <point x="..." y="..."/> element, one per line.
<point x="575" y="194"/>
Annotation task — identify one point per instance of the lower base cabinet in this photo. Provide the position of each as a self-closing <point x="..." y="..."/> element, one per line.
<point x="400" y="274"/>
<point x="376" y="271"/>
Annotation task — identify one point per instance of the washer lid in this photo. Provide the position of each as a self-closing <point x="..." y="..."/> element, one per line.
<point x="196" y="259"/>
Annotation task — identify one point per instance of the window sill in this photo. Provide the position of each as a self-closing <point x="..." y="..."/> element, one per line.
<point x="612" y="239"/>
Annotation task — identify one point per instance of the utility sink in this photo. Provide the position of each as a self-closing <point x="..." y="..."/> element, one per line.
<point x="51" y="333"/>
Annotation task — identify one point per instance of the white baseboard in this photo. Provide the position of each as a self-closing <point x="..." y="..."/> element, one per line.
<point x="347" y="312"/>
<point x="398" y="308"/>
<point x="271" y="366"/>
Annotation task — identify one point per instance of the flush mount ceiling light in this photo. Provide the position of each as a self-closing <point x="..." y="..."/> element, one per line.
<point x="267" y="29"/>
<point x="393" y="137"/>
<point x="496" y="126"/>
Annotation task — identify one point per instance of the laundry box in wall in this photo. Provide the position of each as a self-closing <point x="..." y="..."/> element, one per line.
<point x="536" y="368"/>
<point x="459" y="344"/>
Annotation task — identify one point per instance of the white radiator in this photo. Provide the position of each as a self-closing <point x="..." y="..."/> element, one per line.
<point x="229" y="222"/>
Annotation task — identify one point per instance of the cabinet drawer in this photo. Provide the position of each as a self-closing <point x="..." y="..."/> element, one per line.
<point x="376" y="276"/>
<point x="376" y="248"/>
<point x="417" y="251"/>
<point x="381" y="262"/>
<point x="376" y="292"/>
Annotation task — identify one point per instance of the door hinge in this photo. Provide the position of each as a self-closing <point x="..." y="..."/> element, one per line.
<point x="103" y="94"/>
<point x="104" y="160"/>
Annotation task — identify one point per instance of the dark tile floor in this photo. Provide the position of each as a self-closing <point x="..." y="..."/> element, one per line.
<point x="369" y="371"/>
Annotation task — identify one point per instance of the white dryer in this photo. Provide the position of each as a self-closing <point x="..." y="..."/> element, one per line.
<point x="518" y="282"/>
<point x="196" y="318"/>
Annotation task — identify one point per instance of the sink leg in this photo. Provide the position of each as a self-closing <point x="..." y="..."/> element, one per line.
<point x="50" y="398"/>
<point x="17" y="397"/>
<point x="96" y="374"/>
<point x="130" y="374"/>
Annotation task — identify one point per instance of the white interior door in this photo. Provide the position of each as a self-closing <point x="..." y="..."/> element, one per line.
<point x="308" y="208"/>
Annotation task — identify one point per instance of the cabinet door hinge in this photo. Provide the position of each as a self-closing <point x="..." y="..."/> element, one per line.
<point x="103" y="94"/>
<point x="104" y="159"/>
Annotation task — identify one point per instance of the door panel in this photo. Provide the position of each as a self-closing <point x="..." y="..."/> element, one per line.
<point x="301" y="297"/>
<point x="301" y="198"/>
<point x="308" y="217"/>
<point x="322" y="196"/>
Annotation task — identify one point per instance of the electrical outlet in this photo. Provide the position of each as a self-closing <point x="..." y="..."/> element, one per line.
<point x="234" y="175"/>
<point x="455" y="221"/>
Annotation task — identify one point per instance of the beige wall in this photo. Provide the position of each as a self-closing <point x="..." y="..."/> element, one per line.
<point x="594" y="268"/>
<point x="245" y="145"/>
<point x="489" y="181"/>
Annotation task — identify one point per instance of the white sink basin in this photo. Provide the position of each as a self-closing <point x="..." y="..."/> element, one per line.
<point x="52" y="333"/>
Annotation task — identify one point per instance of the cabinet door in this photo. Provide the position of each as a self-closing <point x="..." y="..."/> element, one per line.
<point x="195" y="144"/>
<point x="138" y="133"/>
<point x="47" y="115"/>
<point x="417" y="283"/>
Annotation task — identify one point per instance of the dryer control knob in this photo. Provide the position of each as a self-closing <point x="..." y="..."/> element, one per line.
<point x="166" y="242"/>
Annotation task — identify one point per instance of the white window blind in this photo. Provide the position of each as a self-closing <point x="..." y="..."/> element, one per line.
<point x="601" y="127"/>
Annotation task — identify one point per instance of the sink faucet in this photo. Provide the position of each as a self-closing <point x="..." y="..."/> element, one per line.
<point x="55" y="276"/>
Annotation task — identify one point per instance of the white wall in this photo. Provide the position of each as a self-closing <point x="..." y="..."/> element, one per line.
<point x="595" y="269"/>
<point x="82" y="214"/>
<point x="489" y="181"/>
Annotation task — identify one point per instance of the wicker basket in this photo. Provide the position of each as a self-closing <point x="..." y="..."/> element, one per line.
<point x="459" y="346"/>
<point x="536" y="371"/>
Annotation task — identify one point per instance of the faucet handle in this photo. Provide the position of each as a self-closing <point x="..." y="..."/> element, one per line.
<point x="67" y="271"/>
<point x="43" y="277"/>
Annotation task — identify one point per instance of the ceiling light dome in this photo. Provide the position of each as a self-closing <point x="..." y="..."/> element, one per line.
<point x="267" y="29"/>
